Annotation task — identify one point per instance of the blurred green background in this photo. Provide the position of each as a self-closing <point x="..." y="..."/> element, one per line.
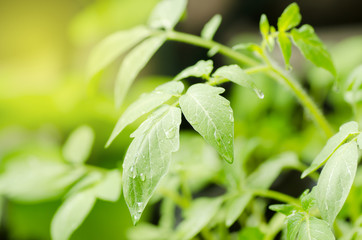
<point x="44" y="95"/>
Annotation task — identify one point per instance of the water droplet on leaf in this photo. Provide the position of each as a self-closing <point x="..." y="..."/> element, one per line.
<point x="259" y="93"/>
<point x="143" y="177"/>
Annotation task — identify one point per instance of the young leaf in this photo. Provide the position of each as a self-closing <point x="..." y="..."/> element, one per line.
<point x="264" y="26"/>
<point x="290" y="18"/>
<point x="145" y="104"/>
<point x="210" y="115"/>
<point x="167" y="13"/>
<point x="335" y="181"/>
<point x="201" y="69"/>
<point x="211" y="27"/>
<point x="286" y="47"/>
<point x="79" y="145"/>
<point x="312" y="48"/>
<point x="198" y="216"/>
<point x="133" y="63"/>
<point x="113" y="46"/>
<point x="71" y="214"/>
<point x="148" y="157"/>
<point x="308" y="200"/>
<point x="237" y="75"/>
<point x="332" y="145"/>
<point x="235" y="207"/>
<point x="109" y="189"/>
<point x="314" y="229"/>
<point x="285" y="209"/>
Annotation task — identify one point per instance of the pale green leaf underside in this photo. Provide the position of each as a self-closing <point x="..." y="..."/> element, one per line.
<point x="79" y="144"/>
<point x="71" y="214"/>
<point x="133" y="63"/>
<point x="30" y="179"/>
<point x="237" y="75"/>
<point x="335" y="181"/>
<point x="200" y="69"/>
<point x="285" y="46"/>
<point x="211" y="27"/>
<point x="148" y="157"/>
<point x="167" y="13"/>
<point x="210" y="115"/>
<point x="332" y="145"/>
<point x="197" y="217"/>
<point x="290" y="18"/>
<point x="145" y="104"/>
<point x="113" y="46"/>
<point x="303" y="227"/>
<point x="312" y="48"/>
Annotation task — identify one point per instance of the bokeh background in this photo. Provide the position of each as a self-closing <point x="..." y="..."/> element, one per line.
<point x="44" y="94"/>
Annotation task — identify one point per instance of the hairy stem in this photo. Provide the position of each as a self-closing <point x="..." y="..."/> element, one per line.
<point x="273" y="71"/>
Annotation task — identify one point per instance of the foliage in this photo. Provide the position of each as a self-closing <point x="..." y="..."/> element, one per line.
<point x="169" y="166"/>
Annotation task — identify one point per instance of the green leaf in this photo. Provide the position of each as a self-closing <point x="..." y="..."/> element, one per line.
<point x="210" y="115"/>
<point x="294" y="222"/>
<point x="147" y="231"/>
<point x="201" y="69"/>
<point x="286" y="47"/>
<point x="109" y="189"/>
<point x="113" y="46"/>
<point x="133" y="63"/>
<point x="290" y="18"/>
<point x="79" y="144"/>
<point x="145" y="104"/>
<point x="314" y="229"/>
<point x="353" y="92"/>
<point x="332" y="145"/>
<point x="308" y="200"/>
<point x="32" y="179"/>
<point x="264" y="26"/>
<point x="235" y="207"/>
<point x="148" y="157"/>
<point x="285" y="209"/>
<point x="335" y="181"/>
<point x="251" y="233"/>
<point x="167" y="13"/>
<point x="237" y="75"/>
<point x="267" y="172"/>
<point x="211" y="27"/>
<point x="312" y="48"/>
<point x="71" y="214"/>
<point x="197" y="217"/>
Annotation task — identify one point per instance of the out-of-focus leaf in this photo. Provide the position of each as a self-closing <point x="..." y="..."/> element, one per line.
<point x="145" y="104"/>
<point x="148" y="157"/>
<point x="79" y="144"/>
<point x="237" y="75"/>
<point x="167" y="13"/>
<point x="332" y="145"/>
<point x="251" y="233"/>
<point x="109" y="189"/>
<point x="290" y="18"/>
<point x="197" y="217"/>
<point x="71" y="214"/>
<point x="335" y="181"/>
<point x="312" y="48"/>
<point x="211" y="27"/>
<point x="210" y="115"/>
<point x="113" y="46"/>
<point x="235" y="207"/>
<point x="30" y="179"/>
<point x="285" y="209"/>
<point x="133" y="63"/>
<point x="201" y="69"/>
<point x="264" y="26"/>
<point x="353" y="91"/>
<point x="146" y="231"/>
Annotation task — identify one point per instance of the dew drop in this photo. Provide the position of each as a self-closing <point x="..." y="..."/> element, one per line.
<point x="231" y="118"/>
<point x="259" y="93"/>
<point x="143" y="177"/>
<point x="170" y="133"/>
<point x="133" y="172"/>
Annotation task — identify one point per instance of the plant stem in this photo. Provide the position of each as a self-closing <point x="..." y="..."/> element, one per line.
<point x="276" y="196"/>
<point x="273" y="72"/>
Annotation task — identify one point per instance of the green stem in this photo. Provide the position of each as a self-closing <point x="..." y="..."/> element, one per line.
<point x="281" y="197"/>
<point x="273" y="72"/>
